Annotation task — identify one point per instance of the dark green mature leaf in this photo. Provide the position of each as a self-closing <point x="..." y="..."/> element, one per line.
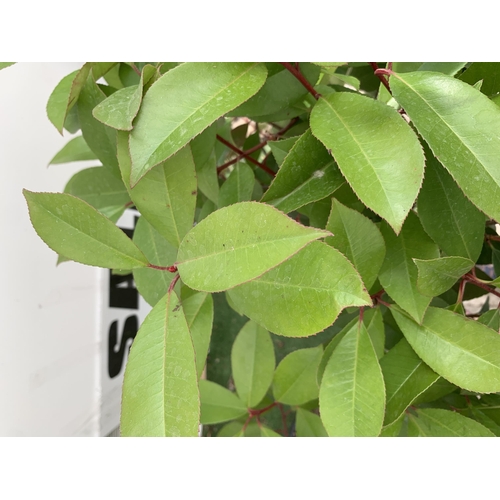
<point x="351" y="232"/>
<point x="173" y="113"/>
<point x="75" y="150"/>
<point x="101" y="189"/>
<point x="160" y="389"/>
<point x="431" y="422"/>
<point x="303" y="295"/>
<point x="309" y="425"/>
<point x="438" y="275"/>
<point x="491" y="319"/>
<point x="352" y="393"/>
<point x="239" y="243"/>
<point x="398" y="274"/>
<point x="406" y="376"/>
<point x="252" y="361"/>
<point x="448" y="217"/>
<point x="295" y="377"/>
<point x="153" y="283"/>
<point x="374" y="324"/>
<point x="488" y="72"/>
<point x="461" y="350"/>
<point x="376" y="150"/>
<point x="281" y="148"/>
<point x="218" y="404"/>
<point x="461" y="126"/>
<point x="307" y="174"/>
<point x="238" y="186"/>
<point x="71" y="227"/>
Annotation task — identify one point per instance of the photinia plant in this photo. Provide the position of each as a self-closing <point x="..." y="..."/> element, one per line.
<point x="308" y="235"/>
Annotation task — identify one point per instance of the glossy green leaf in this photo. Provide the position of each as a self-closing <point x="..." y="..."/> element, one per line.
<point x="307" y="174"/>
<point x="252" y="362"/>
<point x="71" y="227"/>
<point x="238" y="186"/>
<point x="308" y="424"/>
<point x="295" y="381"/>
<point x="75" y="150"/>
<point x="406" y="376"/>
<point x="461" y="126"/>
<point x="438" y="275"/>
<point x="281" y="148"/>
<point x="153" y="283"/>
<point x="239" y="243"/>
<point x="352" y="393"/>
<point x="376" y="150"/>
<point x="463" y="351"/>
<point x="304" y="295"/>
<point x="160" y="390"/>
<point x="218" y="404"/>
<point x="199" y="311"/>
<point x="351" y="232"/>
<point x="448" y="68"/>
<point x="120" y="108"/>
<point x="101" y="189"/>
<point x="214" y="89"/>
<point x="399" y="273"/>
<point x="488" y="72"/>
<point x="448" y="217"/>
<point x="431" y="422"/>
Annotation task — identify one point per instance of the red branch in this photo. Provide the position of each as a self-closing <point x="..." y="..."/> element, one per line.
<point x="295" y="71"/>
<point x="170" y="269"/>
<point x="380" y="73"/>
<point x="470" y="278"/>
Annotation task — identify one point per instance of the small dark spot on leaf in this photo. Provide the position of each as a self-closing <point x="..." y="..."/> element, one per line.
<point x="194" y="192"/>
<point x="177" y="307"/>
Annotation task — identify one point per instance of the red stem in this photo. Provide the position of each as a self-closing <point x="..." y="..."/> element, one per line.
<point x="475" y="281"/>
<point x="173" y="283"/>
<point x="170" y="269"/>
<point x="380" y="73"/>
<point x="301" y="78"/>
<point x="283" y="420"/>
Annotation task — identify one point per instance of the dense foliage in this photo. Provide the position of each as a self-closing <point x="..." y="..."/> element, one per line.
<point x="308" y="235"/>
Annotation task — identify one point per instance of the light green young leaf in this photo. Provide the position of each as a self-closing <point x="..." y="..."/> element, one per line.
<point x="308" y="424"/>
<point x="238" y="186"/>
<point x="213" y="90"/>
<point x="295" y="381"/>
<point x="398" y="274"/>
<point x="281" y="148"/>
<point x="351" y="232"/>
<point x="406" y="376"/>
<point x="239" y="243"/>
<point x="307" y="174"/>
<point x="376" y="150"/>
<point x="352" y="392"/>
<point x="71" y="227"/>
<point x="75" y="150"/>
<point x="438" y="275"/>
<point x="199" y="311"/>
<point x="461" y="126"/>
<point x="463" y="351"/>
<point x="432" y="422"/>
<point x="303" y="295"/>
<point x="218" y="404"/>
<point x="153" y="283"/>
<point x="448" y="217"/>
<point x="160" y="389"/>
<point x="252" y="363"/>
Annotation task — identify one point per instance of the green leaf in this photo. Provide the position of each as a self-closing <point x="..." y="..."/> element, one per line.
<point x="438" y="275"/>
<point x="252" y="362"/>
<point x="213" y="90"/>
<point x="461" y="126"/>
<point x="398" y="274"/>
<point x="351" y="232"/>
<point x="295" y="381"/>
<point x="153" y="283"/>
<point x="352" y="393"/>
<point x="4" y="65"/>
<point x="394" y="429"/>
<point x="461" y="350"/>
<point x="265" y="432"/>
<point x="232" y="429"/>
<point x="307" y="174"/>
<point x="303" y="295"/>
<point x="203" y="147"/>
<point x="71" y="227"/>
<point x="199" y="311"/>
<point x="75" y="150"/>
<point x="218" y="404"/>
<point x="101" y="189"/>
<point x="160" y="390"/>
<point x="491" y="319"/>
<point x="448" y="217"/>
<point x="239" y="243"/>
<point x="238" y="186"/>
<point x="378" y="154"/>
<point x="374" y="324"/>
<point x="488" y="72"/>
<point x="431" y="422"/>
<point x="308" y="424"/>
<point x="120" y="108"/>
<point x="448" y="68"/>
<point x="281" y="148"/>
<point x="406" y="376"/>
